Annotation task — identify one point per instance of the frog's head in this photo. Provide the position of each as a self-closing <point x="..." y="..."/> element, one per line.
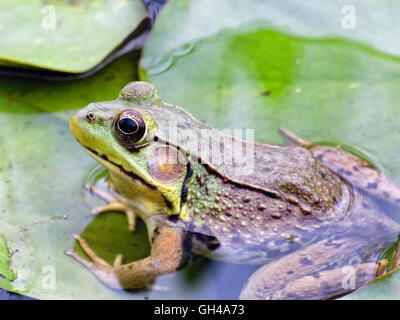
<point x="121" y="134"/>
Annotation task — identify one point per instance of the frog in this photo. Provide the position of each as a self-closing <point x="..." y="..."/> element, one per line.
<point x="305" y="214"/>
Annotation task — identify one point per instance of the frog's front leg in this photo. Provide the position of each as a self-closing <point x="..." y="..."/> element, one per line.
<point x="115" y="203"/>
<point x="165" y="257"/>
<point x="320" y="271"/>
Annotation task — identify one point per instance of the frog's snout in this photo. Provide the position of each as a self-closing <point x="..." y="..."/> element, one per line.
<point x="89" y="115"/>
<point x="79" y="121"/>
<point x="73" y="123"/>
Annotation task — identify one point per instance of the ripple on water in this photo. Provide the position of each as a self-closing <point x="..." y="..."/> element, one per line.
<point x="94" y="184"/>
<point x="162" y="64"/>
<point x="355" y="193"/>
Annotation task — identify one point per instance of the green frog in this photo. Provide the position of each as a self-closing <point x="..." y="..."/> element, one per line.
<point x="306" y="214"/>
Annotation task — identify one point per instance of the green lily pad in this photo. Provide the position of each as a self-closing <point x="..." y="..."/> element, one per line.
<point x="68" y="36"/>
<point x="183" y="23"/>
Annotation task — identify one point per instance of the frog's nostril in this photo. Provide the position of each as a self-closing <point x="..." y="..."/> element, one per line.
<point x="91" y="117"/>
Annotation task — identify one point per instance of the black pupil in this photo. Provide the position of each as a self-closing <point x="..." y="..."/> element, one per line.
<point x="128" y="125"/>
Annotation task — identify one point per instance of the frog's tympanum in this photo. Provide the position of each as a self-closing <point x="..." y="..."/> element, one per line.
<point x="307" y="214"/>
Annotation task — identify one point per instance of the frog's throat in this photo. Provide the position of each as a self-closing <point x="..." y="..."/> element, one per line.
<point x="129" y="174"/>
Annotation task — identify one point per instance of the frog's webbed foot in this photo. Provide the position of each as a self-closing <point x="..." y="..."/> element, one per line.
<point x="100" y="268"/>
<point x="383" y="264"/>
<point x="165" y="258"/>
<point x="381" y="267"/>
<point x="320" y="271"/>
<point x="115" y="203"/>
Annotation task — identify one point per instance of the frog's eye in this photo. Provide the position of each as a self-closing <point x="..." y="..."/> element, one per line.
<point x="129" y="127"/>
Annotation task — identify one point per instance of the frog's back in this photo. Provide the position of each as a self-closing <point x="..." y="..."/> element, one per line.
<point x="271" y="169"/>
<point x="271" y="199"/>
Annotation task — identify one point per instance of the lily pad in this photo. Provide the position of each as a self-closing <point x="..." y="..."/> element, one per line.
<point x="68" y="36"/>
<point x="184" y="22"/>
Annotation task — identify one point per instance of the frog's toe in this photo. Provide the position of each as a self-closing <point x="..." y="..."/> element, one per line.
<point x="117" y="205"/>
<point x="101" y="269"/>
<point x="77" y="257"/>
<point x="118" y="260"/>
<point x="292" y="138"/>
<point x="92" y="255"/>
<point x="104" y="273"/>
<point x="114" y="203"/>
<point x="131" y="216"/>
<point x="381" y="267"/>
<point x="165" y="257"/>
<point x="153" y="287"/>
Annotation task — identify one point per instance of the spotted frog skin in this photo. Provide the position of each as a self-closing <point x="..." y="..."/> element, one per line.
<point x="302" y="212"/>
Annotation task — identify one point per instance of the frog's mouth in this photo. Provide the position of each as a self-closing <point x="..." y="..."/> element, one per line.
<point x="126" y="172"/>
<point x="104" y="158"/>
